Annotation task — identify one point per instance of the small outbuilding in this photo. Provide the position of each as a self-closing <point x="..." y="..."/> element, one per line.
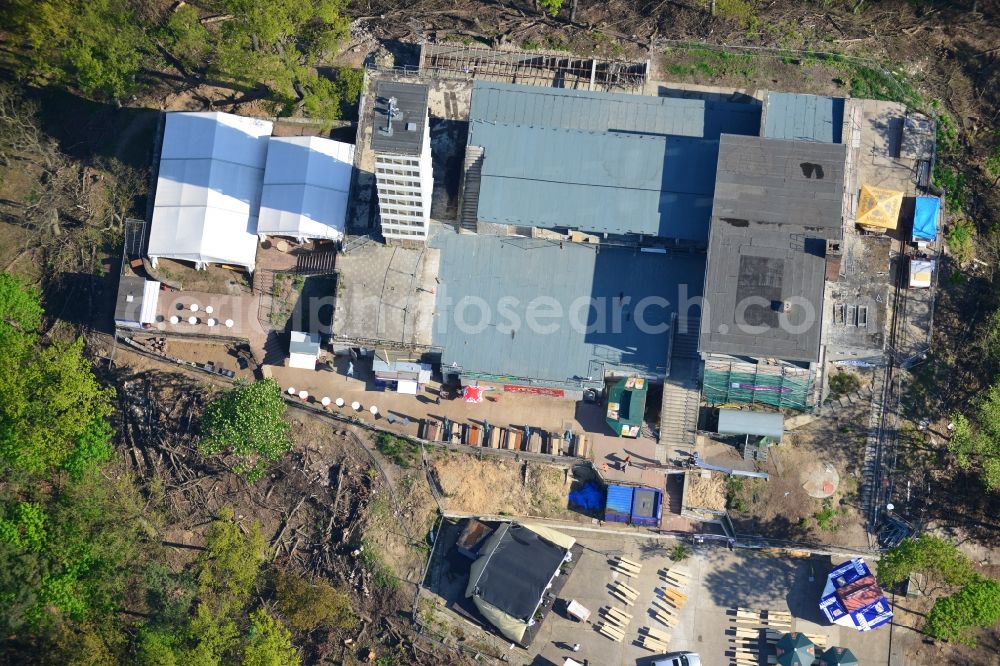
<point x="137" y="301"/>
<point x="303" y="350"/>
<point x="515" y="567"/>
<point x="745" y="422"/>
<point x="921" y="273"/>
<point x="626" y="406"/>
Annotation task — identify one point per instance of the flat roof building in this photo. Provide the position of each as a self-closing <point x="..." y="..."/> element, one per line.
<point x="777" y="205"/>
<point x="136" y="304"/>
<point x="401" y="141"/>
<point x="563" y="315"/>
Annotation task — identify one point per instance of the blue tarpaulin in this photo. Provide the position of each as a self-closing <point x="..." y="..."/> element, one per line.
<point x="925" y="218"/>
<point x="852" y="597"/>
<point x="589" y="497"/>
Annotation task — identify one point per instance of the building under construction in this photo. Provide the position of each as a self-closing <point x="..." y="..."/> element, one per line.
<point x="535" y="68"/>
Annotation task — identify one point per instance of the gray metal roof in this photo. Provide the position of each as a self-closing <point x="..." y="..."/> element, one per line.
<point x="500" y="276"/>
<point x="411" y="105"/>
<point x="776" y="204"/>
<point x="535" y="106"/>
<point x="600" y="162"/>
<point x="745" y="422"/>
<point x="595" y="182"/>
<point x="304" y="343"/>
<point x="803" y="117"/>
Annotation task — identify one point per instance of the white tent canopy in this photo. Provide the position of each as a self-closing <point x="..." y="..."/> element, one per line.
<point x="306" y="185"/>
<point x="208" y="189"/>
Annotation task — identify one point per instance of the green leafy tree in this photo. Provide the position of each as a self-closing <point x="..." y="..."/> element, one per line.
<point x="277" y="43"/>
<point x="926" y="554"/>
<point x="307" y="603"/>
<point x="96" y="46"/>
<point x="551" y="7"/>
<point x="959" y="616"/>
<point x="248" y="422"/>
<point x="269" y="643"/>
<point x="190" y="42"/>
<point x="976" y="442"/>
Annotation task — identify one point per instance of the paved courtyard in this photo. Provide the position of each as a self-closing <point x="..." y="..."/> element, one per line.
<point x="720" y="582"/>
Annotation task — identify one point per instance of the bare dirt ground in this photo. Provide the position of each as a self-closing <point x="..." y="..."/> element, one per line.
<point x="705" y="493"/>
<point x="497" y="487"/>
<point x="325" y="508"/>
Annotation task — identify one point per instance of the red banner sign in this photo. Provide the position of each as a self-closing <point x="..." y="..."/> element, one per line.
<point x="533" y="390"/>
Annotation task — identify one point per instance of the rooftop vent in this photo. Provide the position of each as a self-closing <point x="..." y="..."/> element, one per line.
<point x="411" y="127"/>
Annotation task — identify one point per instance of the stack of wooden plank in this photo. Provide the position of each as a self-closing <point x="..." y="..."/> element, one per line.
<point x="664" y="611"/>
<point x="627" y="567"/>
<point x="615" y="623"/>
<point x="746" y="637"/>
<point x="624" y="593"/>
<point x="653" y="639"/>
<point x="612" y="631"/>
<point x="779" y="620"/>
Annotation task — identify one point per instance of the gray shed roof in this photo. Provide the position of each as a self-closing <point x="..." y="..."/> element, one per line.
<point x="776" y="204"/>
<point x="596" y="182"/>
<point x="803" y="117"/>
<point x="492" y="282"/>
<point x="407" y="124"/>
<point x="128" y="305"/>
<point x="744" y="422"/>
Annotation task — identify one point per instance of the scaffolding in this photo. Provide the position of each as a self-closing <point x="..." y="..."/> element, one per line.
<point x="779" y="386"/>
<point x="558" y="70"/>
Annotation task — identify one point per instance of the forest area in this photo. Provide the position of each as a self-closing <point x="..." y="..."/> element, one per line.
<point x="147" y="517"/>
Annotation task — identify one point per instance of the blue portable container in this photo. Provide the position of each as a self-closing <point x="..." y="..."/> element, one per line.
<point x="646" y="507"/>
<point x="618" y="508"/>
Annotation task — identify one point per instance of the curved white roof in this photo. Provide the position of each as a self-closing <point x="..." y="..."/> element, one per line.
<point x="208" y="188"/>
<point x="306" y="185"/>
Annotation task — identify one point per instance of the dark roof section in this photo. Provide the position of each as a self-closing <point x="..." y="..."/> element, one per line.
<point x="408" y="122"/>
<point x="128" y="306"/>
<point x="803" y="117"/>
<point x="518" y="571"/>
<point x="776" y="204"/>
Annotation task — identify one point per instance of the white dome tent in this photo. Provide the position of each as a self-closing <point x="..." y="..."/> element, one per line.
<point x="208" y="189"/>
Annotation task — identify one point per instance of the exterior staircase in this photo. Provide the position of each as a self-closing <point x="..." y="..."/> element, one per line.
<point x="681" y="395"/>
<point x="469" y="207"/>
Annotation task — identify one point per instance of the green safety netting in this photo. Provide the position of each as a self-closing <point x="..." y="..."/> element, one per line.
<point x="749" y="386"/>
